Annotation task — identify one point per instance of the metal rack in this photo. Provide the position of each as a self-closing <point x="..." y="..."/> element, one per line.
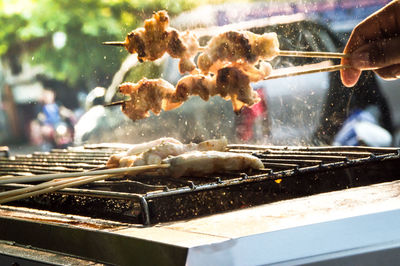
<point x="289" y="172"/>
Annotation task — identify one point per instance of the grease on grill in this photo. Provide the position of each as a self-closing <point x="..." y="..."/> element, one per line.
<point x="111" y="209"/>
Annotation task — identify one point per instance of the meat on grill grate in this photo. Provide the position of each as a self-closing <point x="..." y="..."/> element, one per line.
<point x="288" y="172"/>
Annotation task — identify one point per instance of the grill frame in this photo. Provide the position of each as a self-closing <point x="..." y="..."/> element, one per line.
<point x="336" y="168"/>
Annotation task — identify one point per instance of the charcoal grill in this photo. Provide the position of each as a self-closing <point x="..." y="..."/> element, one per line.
<point x="144" y="200"/>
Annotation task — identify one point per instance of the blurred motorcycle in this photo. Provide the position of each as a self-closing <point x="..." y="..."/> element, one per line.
<point x="54" y="135"/>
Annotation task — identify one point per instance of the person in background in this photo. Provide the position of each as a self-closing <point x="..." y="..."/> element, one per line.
<point x="374" y="45"/>
<point x="50" y="113"/>
<point x="50" y="118"/>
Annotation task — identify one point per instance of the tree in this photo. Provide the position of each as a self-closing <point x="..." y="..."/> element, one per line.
<point x="29" y="29"/>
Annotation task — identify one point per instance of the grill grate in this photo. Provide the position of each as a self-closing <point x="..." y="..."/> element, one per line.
<point x="289" y="172"/>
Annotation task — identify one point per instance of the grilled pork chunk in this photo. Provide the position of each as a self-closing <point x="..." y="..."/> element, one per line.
<point x="155" y="151"/>
<point x="233" y="59"/>
<point x="237" y="47"/>
<point x="116" y="160"/>
<point x="147" y="95"/>
<point x="156" y="37"/>
<point x="201" y="163"/>
<point x="155" y="95"/>
<point x="207" y="157"/>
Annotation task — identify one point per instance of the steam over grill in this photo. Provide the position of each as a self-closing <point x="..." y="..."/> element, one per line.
<point x="289" y="172"/>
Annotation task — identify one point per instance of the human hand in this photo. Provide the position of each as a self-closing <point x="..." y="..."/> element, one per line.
<point x="374" y="45"/>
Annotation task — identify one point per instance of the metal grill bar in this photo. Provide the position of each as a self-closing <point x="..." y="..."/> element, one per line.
<point x="300" y="163"/>
<point x="51" y="162"/>
<point x="65" y="159"/>
<point x="78" y="166"/>
<point x="336" y="149"/>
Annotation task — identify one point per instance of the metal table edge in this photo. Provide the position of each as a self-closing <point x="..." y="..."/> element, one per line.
<point x="100" y="246"/>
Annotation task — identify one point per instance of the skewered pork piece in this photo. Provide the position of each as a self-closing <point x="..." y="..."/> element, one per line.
<point x="135" y="149"/>
<point x="147" y="95"/>
<point x="234" y="84"/>
<point x="156" y="38"/>
<point x="191" y="85"/>
<point x="207" y="157"/>
<point x="242" y="47"/>
<point x="184" y="46"/>
<point x="158" y="150"/>
<point x="157" y="94"/>
<point x="156" y="154"/>
<point x="234" y="58"/>
<point x="225" y="49"/>
<point x="201" y="163"/>
<point x="229" y="83"/>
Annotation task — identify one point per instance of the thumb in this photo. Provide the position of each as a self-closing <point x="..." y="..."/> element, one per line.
<point x="376" y="54"/>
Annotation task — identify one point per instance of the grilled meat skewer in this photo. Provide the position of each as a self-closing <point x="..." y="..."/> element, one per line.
<point x="156" y="38"/>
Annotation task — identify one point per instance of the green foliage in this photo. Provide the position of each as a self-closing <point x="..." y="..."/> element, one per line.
<point x="10" y="24"/>
<point x="149" y="70"/>
<point x="30" y="25"/>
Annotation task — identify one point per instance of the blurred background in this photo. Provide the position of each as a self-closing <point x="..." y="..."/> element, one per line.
<point x="55" y="75"/>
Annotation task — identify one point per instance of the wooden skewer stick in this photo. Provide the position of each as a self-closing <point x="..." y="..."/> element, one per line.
<point x="52" y="186"/>
<point x="20" y="191"/>
<point x="114" y="43"/>
<point x="309" y="71"/>
<point x="127" y="98"/>
<point x="301" y="53"/>
<point x="115" y="103"/>
<point x="47" y="177"/>
<point x="280" y="53"/>
<point x="312" y="54"/>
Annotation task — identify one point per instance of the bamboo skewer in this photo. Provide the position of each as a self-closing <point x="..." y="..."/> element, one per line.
<point x="280" y="53"/>
<point x="308" y="71"/>
<point x="47" y="177"/>
<point x="115" y="103"/>
<point x="52" y="186"/>
<point x="14" y="192"/>
<point x="114" y="43"/>
<point x="311" y="54"/>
